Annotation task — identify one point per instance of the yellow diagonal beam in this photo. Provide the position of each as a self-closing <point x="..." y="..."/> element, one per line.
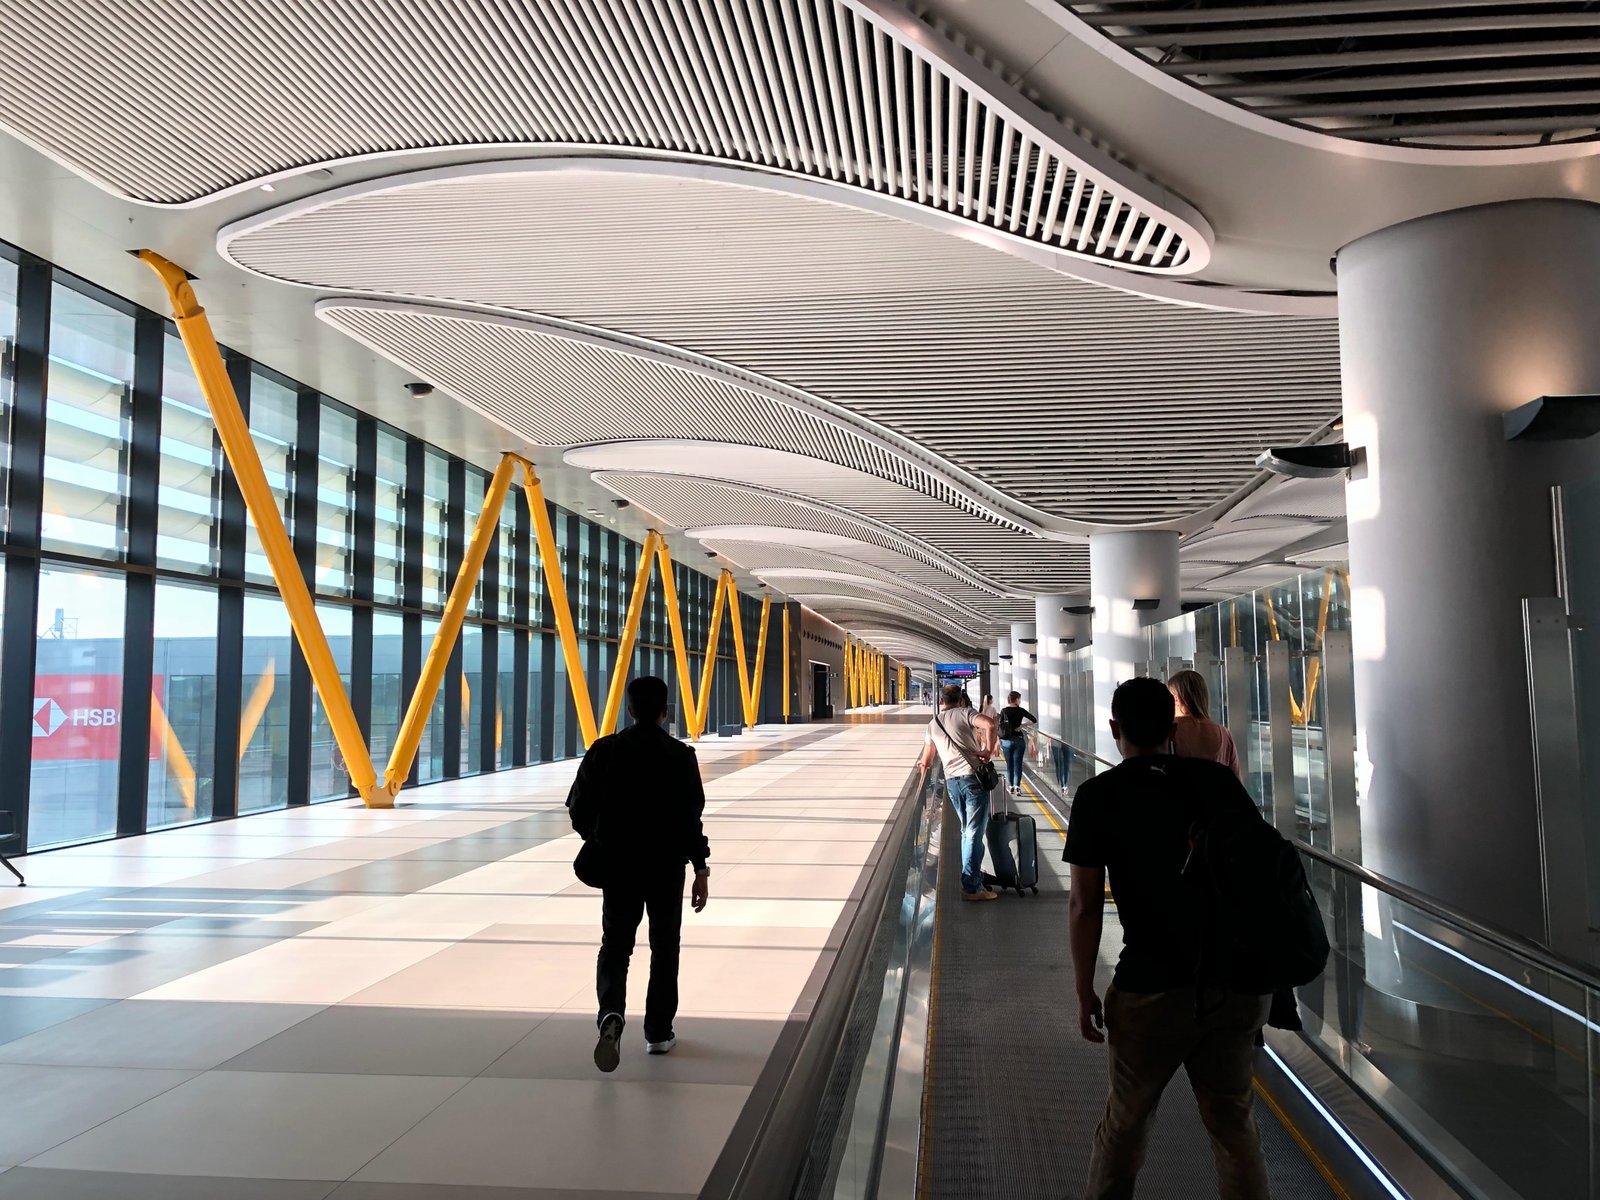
<point x="177" y="761"/>
<point x="630" y="633"/>
<point x="680" y="645"/>
<point x="785" y="660"/>
<point x="409" y="738"/>
<point x="560" y="607"/>
<point x="749" y="690"/>
<point x="233" y="431"/>
<point x="702" y="708"/>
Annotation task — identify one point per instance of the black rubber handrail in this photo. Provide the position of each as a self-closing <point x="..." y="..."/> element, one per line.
<point x="1506" y="940"/>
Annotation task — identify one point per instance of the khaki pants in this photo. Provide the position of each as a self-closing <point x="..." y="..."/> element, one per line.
<point x="1151" y="1036"/>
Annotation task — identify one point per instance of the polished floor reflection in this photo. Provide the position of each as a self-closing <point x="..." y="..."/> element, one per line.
<point x="331" y="1002"/>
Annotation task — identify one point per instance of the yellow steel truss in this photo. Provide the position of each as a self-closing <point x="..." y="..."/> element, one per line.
<point x="234" y="433"/>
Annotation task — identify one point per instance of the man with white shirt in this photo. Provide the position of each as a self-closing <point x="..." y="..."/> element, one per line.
<point x="961" y="737"/>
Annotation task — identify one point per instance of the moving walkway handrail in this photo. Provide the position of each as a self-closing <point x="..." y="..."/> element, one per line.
<point x="1050" y="737"/>
<point x="771" y="1139"/>
<point x="1570" y="969"/>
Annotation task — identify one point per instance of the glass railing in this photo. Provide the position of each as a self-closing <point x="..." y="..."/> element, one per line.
<point x="866" y="1138"/>
<point x="1478" y="1045"/>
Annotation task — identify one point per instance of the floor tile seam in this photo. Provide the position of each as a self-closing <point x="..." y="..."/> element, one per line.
<point x="190" y="1076"/>
<point x="389" y="1145"/>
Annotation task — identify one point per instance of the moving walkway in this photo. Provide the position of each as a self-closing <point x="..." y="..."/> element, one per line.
<point x="939" y="1056"/>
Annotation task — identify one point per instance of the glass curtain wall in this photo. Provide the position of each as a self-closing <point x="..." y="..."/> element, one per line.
<point x="142" y="630"/>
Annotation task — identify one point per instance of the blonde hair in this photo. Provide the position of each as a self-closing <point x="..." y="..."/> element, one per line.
<point x="1193" y="692"/>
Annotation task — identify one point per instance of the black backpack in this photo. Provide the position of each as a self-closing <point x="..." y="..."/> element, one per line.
<point x="1261" y="929"/>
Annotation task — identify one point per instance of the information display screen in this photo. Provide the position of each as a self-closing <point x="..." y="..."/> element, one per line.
<point x="956" y="670"/>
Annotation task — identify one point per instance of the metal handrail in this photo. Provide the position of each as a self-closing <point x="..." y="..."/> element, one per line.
<point x="1075" y="749"/>
<point x="769" y="1143"/>
<point x="1572" y="970"/>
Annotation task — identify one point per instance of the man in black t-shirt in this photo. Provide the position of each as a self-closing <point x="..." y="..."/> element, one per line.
<point x="1133" y="822"/>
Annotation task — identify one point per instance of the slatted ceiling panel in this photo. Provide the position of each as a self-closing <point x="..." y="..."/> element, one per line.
<point x="561" y="392"/>
<point x="759" y="556"/>
<point x="688" y="503"/>
<point x="1097" y="388"/>
<point x="830" y="89"/>
<point x="1444" y="74"/>
<point x="934" y="535"/>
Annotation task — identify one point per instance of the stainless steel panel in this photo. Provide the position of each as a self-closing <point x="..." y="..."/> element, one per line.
<point x="1237" y="668"/>
<point x="1558" y="775"/>
<point x="1339" y="739"/>
<point x="1280" y="733"/>
<point x="1174" y="665"/>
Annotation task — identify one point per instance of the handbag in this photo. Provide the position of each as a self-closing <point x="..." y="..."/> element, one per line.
<point x="986" y="773"/>
<point x="593" y="865"/>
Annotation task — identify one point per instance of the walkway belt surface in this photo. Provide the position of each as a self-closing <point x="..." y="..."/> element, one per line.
<point x="1013" y="1092"/>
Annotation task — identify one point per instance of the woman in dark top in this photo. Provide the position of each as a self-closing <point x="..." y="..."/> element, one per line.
<point x="1013" y="743"/>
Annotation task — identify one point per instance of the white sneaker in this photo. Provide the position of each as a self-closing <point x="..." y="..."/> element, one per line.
<point x="661" y="1047"/>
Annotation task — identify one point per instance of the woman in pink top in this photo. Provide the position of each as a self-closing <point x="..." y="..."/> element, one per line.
<point x="1195" y="735"/>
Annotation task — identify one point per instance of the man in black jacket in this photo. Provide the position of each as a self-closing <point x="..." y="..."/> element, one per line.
<point x="638" y="797"/>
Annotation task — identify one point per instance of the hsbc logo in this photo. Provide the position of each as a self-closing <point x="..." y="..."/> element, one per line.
<point x="48" y="716"/>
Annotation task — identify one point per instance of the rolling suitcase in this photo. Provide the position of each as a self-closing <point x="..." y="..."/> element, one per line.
<point x="1023" y="838"/>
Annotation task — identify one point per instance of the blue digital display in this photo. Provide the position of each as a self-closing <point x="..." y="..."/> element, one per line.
<point x="957" y="670"/>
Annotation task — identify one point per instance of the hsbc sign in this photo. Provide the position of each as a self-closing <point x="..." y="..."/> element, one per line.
<point x="78" y="717"/>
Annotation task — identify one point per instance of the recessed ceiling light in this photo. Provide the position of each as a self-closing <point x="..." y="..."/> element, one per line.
<point x="267" y="187"/>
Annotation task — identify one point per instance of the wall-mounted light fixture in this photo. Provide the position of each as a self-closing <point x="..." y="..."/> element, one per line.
<point x="1146" y="603"/>
<point x="1079" y="610"/>
<point x="1308" y="462"/>
<point x="1553" y="419"/>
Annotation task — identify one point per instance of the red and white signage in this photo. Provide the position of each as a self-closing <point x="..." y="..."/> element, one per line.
<point x="79" y="717"/>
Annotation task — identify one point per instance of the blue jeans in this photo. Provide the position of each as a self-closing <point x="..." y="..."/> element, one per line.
<point x="1014" y="748"/>
<point x="971" y="803"/>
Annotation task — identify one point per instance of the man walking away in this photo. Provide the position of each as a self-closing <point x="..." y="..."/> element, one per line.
<point x="1135" y="821"/>
<point x="638" y="797"/>
<point x="961" y="737"/>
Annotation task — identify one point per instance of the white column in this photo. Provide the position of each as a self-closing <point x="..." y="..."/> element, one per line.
<point x="1060" y="632"/>
<point x="1124" y="567"/>
<point x="1024" y="655"/>
<point x="1446" y="323"/>
<point x="1000" y="670"/>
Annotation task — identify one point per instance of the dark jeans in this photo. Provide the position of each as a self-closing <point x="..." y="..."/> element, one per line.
<point x="1151" y="1036"/>
<point x="1014" y="748"/>
<point x="659" y="893"/>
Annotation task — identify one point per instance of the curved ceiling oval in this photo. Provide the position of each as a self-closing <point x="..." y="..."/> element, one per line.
<point x="1097" y="384"/>
<point x="866" y="97"/>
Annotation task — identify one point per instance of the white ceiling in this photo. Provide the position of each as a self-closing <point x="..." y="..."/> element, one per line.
<point x="880" y="314"/>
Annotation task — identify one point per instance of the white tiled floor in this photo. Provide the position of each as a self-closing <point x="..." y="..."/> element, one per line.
<point x="398" y="1005"/>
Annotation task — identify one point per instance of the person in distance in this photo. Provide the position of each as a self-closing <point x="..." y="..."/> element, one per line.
<point x="962" y="739"/>
<point x="1013" y="738"/>
<point x="1135" y="822"/>
<point x="1194" y="733"/>
<point x="638" y="799"/>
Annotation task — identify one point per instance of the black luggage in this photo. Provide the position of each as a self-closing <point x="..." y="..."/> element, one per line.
<point x="1022" y="836"/>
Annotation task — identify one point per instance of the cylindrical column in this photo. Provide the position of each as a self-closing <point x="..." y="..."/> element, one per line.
<point x="1000" y="672"/>
<point x="1133" y="583"/>
<point x="1024" y="654"/>
<point x="1446" y="323"/>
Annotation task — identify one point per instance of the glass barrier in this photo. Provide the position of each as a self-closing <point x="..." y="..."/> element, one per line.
<point x="874" y="1084"/>
<point x="1279" y="667"/>
<point x="1478" y="1046"/>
